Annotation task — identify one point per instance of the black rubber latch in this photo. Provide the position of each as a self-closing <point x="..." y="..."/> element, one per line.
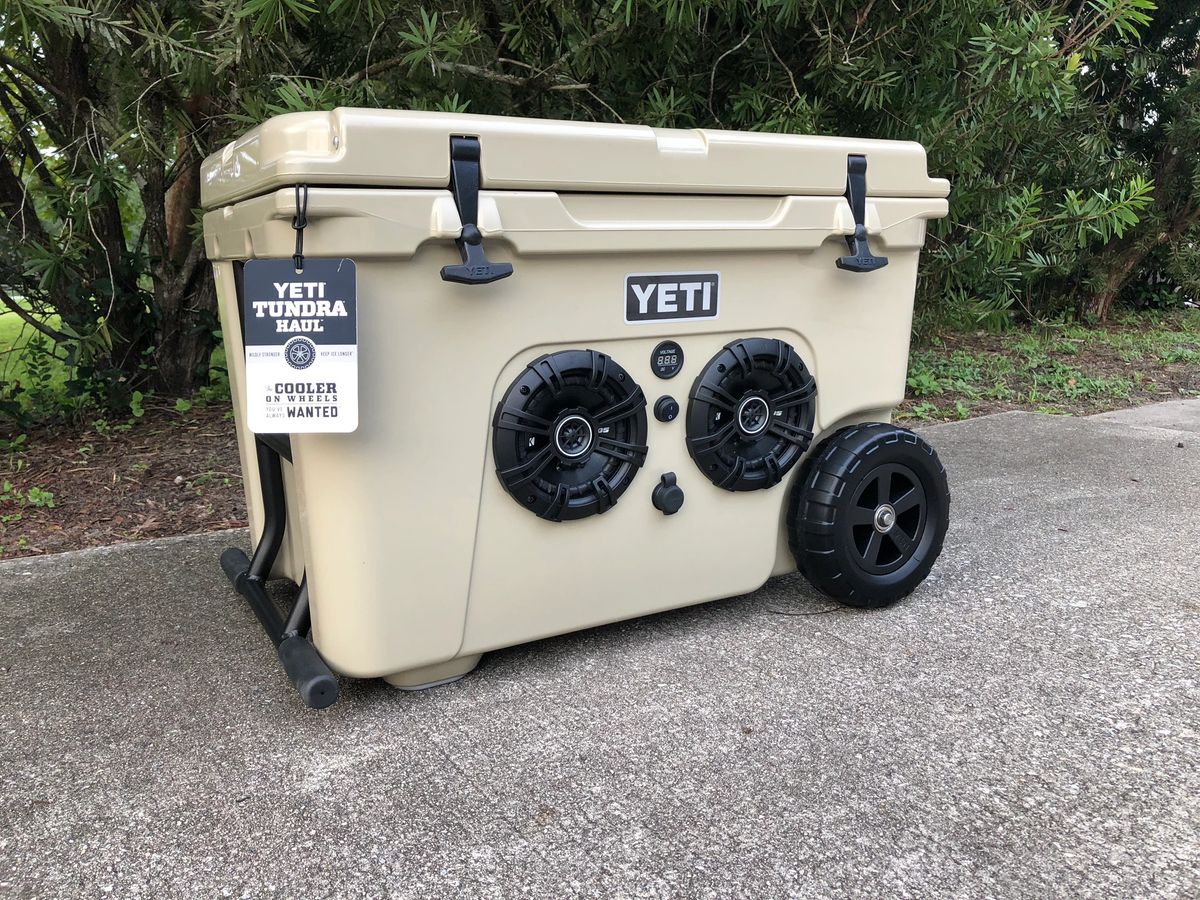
<point x="299" y="223"/>
<point x="465" y="179"/>
<point x="861" y="259"/>
<point x="667" y="496"/>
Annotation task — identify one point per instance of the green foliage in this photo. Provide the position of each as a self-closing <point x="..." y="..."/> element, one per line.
<point x="39" y="369"/>
<point x="922" y="382"/>
<point x="920" y="411"/>
<point x="1182" y="266"/>
<point x="1142" y="358"/>
<point x="1067" y="129"/>
<point x="36" y="496"/>
<point x="40" y="497"/>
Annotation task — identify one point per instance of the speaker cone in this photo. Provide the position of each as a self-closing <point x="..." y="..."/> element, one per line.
<point x="569" y="434"/>
<point x="750" y="414"/>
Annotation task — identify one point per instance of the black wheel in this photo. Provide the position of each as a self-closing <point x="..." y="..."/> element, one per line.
<point x="868" y="514"/>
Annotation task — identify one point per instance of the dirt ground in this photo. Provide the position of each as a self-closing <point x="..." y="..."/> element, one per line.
<point x="969" y="375"/>
<point x="163" y="474"/>
<point x="171" y="472"/>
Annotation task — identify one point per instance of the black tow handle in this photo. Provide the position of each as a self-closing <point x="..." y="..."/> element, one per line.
<point x="861" y="259"/>
<point x="465" y="178"/>
<point x="311" y="675"/>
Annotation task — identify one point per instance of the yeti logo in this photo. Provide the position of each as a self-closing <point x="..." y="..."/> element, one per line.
<point x="299" y="352"/>
<point x="667" y="296"/>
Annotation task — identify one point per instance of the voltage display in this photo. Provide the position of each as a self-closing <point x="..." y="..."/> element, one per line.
<point x="667" y="359"/>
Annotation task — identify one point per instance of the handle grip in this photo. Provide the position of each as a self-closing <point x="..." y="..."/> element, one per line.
<point x="308" y="672"/>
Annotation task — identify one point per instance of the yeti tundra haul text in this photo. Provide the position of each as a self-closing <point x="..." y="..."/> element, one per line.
<point x="301" y="307"/>
<point x="301" y="326"/>
<point x="666" y="296"/>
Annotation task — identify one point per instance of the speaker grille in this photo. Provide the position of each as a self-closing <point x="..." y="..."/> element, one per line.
<point x="569" y="434"/>
<point x="750" y="414"/>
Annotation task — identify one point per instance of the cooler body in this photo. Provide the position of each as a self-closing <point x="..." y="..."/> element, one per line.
<point x="414" y="551"/>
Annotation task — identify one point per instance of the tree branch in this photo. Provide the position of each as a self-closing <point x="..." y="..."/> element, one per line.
<point x="443" y="65"/>
<point x="21" y="132"/>
<point x="29" y="319"/>
<point x="580" y="48"/>
<point x="194" y="259"/>
<point x="31" y="74"/>
<point x="14" y="202"/>
<point x="712" y="75"/>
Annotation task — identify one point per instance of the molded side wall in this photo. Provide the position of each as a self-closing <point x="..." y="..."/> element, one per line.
<point x="414" y="553"/>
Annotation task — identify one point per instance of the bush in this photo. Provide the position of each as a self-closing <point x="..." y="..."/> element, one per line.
<point x="1067" y="130"/>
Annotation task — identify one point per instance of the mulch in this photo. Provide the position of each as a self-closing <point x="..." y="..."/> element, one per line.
<point x="165" y="473"/>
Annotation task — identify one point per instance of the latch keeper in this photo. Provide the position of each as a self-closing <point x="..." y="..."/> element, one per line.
<point x="299" y="223"/>
<point x="465" y="178"/>
<point x="861" y="259"/>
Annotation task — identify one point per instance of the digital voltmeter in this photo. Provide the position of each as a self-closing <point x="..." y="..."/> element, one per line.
<point x="667" y="359"/>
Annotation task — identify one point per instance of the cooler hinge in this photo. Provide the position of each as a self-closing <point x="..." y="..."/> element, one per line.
<point x="476" y="268"/>
<point x="861" y="259"/>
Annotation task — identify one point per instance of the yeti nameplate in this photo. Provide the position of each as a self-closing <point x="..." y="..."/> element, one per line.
<point x="301" y="337"/>
<point x="670" y="296"/>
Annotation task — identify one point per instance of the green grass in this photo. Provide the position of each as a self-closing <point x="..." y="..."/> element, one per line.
<point x="1065" y="369"/>
<point x="15" y="334"/>
<point x="1028" y="377"/>
<point x="50" y="374"/>
<point x="1145" y="336"/>
<point x="976" y="374"/>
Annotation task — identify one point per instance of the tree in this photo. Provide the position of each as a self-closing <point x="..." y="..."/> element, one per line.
<point x="1052" y="121"/>
<point x="1158" y="91"/>
<point x="106" y="125"/>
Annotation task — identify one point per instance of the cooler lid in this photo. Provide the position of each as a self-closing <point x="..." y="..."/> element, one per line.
<point x="395" y="148"/>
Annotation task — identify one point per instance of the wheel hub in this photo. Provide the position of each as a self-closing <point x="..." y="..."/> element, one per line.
<point x="885" y="518"/>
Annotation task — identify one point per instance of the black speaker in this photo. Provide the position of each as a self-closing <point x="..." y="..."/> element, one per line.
<point x="750" y="414"/>
<point x="569" y="434"/>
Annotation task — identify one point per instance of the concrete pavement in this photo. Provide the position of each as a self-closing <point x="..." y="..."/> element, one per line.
<point x="1025" y="725"/>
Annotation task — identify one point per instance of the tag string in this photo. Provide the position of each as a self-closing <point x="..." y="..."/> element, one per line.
<point x="299" y="223"/>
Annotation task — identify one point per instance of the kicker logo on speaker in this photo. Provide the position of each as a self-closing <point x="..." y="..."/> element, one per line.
<point x="666" y="296"/>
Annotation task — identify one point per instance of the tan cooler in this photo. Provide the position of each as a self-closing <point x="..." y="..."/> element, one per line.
<point x="497" y="379"/>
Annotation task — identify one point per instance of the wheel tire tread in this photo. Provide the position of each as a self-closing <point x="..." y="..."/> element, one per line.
<point x="812" y="512"/>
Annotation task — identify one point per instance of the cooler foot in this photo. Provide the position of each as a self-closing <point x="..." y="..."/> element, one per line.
<point x="433" y="676"/>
